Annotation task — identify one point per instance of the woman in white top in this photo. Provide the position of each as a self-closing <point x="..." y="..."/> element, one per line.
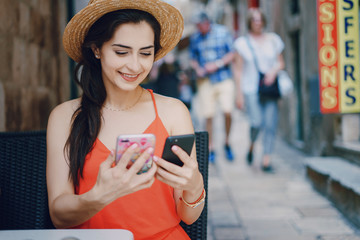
<point x="258" y="51"/>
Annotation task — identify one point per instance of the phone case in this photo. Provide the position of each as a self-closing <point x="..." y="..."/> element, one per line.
<point x="143" y="140"/>
<point x="185" y="142"/>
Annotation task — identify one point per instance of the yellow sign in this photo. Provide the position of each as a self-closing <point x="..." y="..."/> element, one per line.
<point x="348" y="36"/>
<point x="338" y="42"/>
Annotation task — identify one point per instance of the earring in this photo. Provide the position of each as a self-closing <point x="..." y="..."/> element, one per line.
<point x="97" y="56"/>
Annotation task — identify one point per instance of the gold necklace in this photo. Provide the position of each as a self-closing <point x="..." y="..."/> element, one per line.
<point x="111" y="108"/>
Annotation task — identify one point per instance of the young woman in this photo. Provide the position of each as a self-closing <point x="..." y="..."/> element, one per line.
<point x="116" y="43"/>
<point x="265" y="50"/>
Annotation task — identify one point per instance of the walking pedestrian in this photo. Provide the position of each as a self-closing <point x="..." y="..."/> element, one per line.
<point x="258" y="51"/>
<point x="211" y="53"/>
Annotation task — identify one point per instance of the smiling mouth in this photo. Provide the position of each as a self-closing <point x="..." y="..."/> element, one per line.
<point x="129" y="77"/>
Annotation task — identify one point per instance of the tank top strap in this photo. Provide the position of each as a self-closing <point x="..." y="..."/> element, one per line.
<point x="153" y="99"/>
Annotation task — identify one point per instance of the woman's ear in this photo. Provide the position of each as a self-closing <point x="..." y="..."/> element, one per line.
<point x="96" y="51"/>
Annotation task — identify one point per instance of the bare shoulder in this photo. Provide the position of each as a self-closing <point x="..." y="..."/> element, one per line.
<point x="61" y="116"/>
<point x="66" y="109"/>
<point x="174" y="114"/>
<point x="169" y="104"/>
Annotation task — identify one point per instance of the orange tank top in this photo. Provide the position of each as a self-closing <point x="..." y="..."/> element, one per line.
<point x="149" y="213"/>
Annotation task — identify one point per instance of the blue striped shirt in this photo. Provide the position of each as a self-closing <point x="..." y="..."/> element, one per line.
<point x="211" y="47"/>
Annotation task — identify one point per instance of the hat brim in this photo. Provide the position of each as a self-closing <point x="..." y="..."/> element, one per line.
<point x="169" y="18"/>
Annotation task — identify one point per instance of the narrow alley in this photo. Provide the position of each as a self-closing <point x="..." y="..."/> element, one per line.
<point x="248" y="204"/>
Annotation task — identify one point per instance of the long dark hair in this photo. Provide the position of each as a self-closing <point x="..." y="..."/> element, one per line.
<point x="86" y="120"/>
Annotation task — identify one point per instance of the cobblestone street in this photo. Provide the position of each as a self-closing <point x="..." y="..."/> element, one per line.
<point x="246" y="203"/>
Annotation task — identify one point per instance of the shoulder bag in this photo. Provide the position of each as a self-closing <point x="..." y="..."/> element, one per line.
<point x="285" y="83"/>
<point x="265" y="91"/>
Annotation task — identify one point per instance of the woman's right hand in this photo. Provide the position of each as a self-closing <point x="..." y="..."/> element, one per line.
<point x="240" y="100"/>
<point x="200" y="72"/>
<point x="120" y="180"/>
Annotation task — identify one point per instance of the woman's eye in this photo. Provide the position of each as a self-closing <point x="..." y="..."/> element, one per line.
<point x="146" y="54"/>
<point x="120" y="53"/>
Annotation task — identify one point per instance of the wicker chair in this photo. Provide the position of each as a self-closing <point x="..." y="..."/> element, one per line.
<point x="198" y="230"/>
<point x="23" y="199"/>
<point x="23" y="193"/>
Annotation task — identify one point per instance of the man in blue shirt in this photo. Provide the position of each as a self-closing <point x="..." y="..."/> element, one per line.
<point x="211" y="53"/>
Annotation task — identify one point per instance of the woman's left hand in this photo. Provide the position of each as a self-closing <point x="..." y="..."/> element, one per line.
<point x="270" y="77"/>
<point x="211" y="67"/>
<point x="186" y="178"/>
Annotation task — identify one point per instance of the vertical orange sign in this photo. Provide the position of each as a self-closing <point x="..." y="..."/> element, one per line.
<point x="328" y="56"/>
<point x="338" y="42"/>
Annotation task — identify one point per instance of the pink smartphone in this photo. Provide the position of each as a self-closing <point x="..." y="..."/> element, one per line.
<point x="143" y="140"/>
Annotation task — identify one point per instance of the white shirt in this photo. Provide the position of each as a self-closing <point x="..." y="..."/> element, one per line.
<point x="266" y="55"/>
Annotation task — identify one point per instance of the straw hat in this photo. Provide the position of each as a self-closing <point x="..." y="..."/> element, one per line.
<point x="169" y="18"/>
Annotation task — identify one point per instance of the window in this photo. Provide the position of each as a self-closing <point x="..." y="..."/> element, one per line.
<point x="294" y="7"/>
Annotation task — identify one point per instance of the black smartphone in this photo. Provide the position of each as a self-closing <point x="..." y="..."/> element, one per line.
<point x="185" y="142"/>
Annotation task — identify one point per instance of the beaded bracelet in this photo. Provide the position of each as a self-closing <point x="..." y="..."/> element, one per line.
<point x="199" y="201"/>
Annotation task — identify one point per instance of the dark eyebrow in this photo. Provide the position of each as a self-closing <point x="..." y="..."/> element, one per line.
<point x="124" y="46"/>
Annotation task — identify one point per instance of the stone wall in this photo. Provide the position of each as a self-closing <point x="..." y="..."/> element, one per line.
<point x="34" y="72"/>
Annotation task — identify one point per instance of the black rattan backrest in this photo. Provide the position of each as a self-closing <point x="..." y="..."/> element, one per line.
<point x="198" y="230"/>
<point x="23" y="196"/>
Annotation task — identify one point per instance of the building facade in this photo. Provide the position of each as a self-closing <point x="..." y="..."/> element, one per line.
<point x="34" y="72"/>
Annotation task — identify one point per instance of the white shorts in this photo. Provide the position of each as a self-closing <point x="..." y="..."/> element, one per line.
<point x="209" y="94"/>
